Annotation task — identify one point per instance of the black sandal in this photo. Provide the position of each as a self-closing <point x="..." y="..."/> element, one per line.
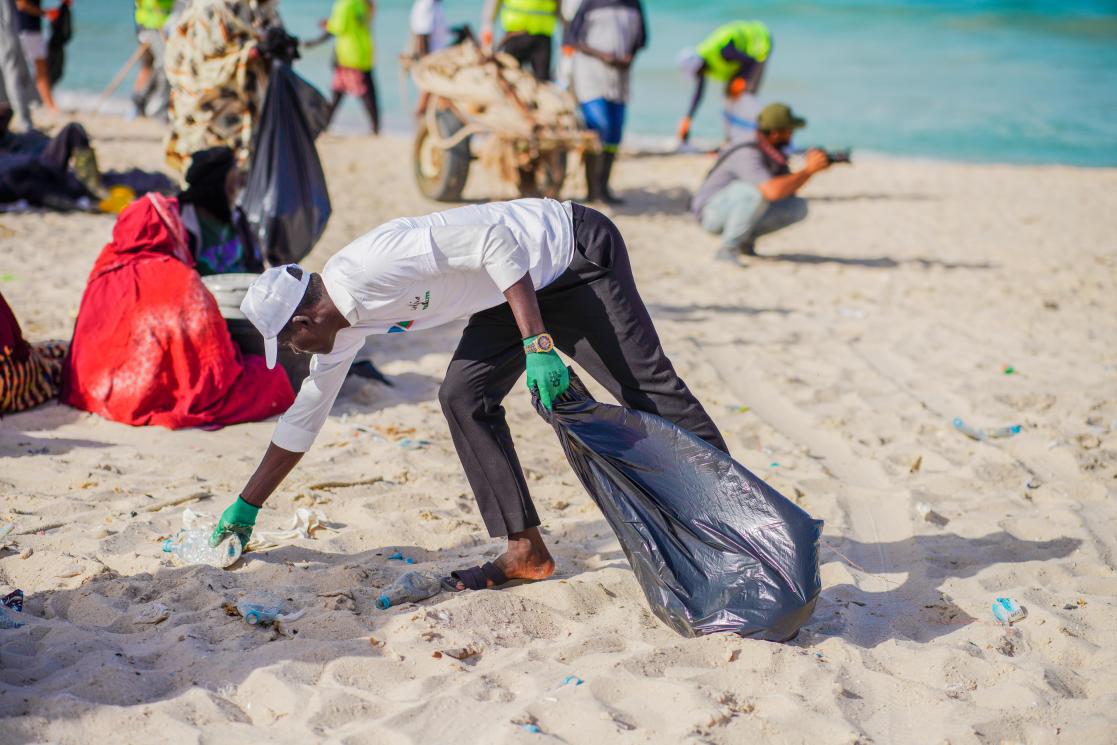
<point x="475" y="578"/>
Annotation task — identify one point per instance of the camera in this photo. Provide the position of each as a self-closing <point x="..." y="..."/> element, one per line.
<point x="838" y="156"/>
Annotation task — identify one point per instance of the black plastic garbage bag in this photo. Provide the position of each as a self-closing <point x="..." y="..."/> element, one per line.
<point x="285" y="200"/>
<point x="714" y="548"/>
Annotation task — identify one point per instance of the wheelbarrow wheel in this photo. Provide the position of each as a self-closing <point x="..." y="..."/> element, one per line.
<point x="441" y="174"/>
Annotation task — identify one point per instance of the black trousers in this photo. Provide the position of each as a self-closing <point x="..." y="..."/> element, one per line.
<point x="530" y="50"/>
<point x="597" y="318"/>
<point x="370" y="101"/>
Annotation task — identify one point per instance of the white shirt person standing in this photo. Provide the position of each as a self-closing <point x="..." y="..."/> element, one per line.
<point x="429" y="27"/>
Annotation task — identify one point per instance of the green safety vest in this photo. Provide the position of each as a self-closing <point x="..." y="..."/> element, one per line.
<point x="348" y="23"/>
<point x="153" y="13"/>
<point x="750" y="37"/>
<point x="529" y="16"/>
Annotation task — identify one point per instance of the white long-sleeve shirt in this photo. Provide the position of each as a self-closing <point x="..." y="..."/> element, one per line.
<point x="419" y="272"/>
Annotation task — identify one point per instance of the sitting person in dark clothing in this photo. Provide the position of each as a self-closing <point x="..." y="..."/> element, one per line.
<point x="47" y="171"/>
<point x="217" y="232"/>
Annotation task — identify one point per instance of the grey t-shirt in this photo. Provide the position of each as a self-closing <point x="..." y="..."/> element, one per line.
<point x="614" y="27"/>
<point x="737" y="162"/>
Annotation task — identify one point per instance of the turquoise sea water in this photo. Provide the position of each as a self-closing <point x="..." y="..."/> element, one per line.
<point x="1006" y="81"/>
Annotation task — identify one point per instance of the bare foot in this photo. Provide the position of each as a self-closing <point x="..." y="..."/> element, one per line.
<point x="527" y="557"/>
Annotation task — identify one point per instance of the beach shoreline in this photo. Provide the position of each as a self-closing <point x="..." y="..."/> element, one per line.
<point x="833" y="364"/>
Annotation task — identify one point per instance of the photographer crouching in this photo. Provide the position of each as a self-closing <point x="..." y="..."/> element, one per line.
<point x="750" y="191"/>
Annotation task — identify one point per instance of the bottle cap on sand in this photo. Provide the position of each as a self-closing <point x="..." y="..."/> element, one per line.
<point x="270" y="302"/>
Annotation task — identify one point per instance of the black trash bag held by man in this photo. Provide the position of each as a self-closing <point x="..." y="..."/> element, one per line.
<point x="285" y="200"/>
<point x="714" y="548"/>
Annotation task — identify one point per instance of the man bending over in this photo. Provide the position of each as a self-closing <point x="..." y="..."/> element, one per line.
<point x="533" y="276"/>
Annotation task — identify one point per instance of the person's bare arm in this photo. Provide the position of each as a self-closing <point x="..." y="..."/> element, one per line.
<point x="23" y="6"/>
<point x="488" y="17"/>
<point x="273" y="468"/>
<point x="525" y="307"/>
<point x="782" y="187"/>
<point x="699" y="89"/>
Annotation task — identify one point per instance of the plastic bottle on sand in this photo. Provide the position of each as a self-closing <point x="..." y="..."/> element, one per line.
<point x="410" y="587"/>
<point x="259" y="613"/>
<point x="192" y="547"/>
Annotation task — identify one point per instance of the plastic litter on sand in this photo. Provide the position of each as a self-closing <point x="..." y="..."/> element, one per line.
<point x="13" y="600"/>
<point x="1008" y="611"/>
<point x="985" y="434"/>
<point x="410" y="587"/>
<point x="265" y="612"/>
<point x="191" y="547"/>
<point x="8" y="619"/>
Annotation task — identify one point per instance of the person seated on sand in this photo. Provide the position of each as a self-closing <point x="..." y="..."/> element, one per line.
<point x="750" y="191"/>
<point x="215" y="227"/>
<point x="734" y="54"/>
<point x="29" y="373"/>
<point x="517" y="270"/>
<point x="150" y="345"/>
<point x="47" y="171"/>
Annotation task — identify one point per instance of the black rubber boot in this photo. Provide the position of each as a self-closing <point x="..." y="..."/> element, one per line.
<point x="607" y="196"/>
<point x="593" y="163"/>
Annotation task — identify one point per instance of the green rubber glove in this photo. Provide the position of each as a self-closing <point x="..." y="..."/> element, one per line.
<point x="238" y="518"/>
<point x="547" y="373"/>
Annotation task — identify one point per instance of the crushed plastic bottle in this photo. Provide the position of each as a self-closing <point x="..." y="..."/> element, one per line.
<point x="262" y="614"/>
<point x="410" y="587"/>
<point x="264" y="610"/>
<point x="192" y="547"/>
<point x="985" y="434"/>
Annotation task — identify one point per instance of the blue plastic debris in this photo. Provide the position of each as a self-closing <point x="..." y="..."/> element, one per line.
<point x="985" y="434"/>
<point x="572" y="679"/>
<point x="397" y="556"/>
<point x="1008" y="611"/>
<point x="532" y="728"/>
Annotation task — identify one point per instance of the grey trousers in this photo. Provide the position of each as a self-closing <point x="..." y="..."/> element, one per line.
<point x="16" y="86"/>
<point x="742" y="215"/>
<point x="597" y="318"/>
<point x="154" y="100"/>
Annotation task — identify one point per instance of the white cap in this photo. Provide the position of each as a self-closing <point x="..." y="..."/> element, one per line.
<point x="270" y="302"/>
<point x="689" y="61"/>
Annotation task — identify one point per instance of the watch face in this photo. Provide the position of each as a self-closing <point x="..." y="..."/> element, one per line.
<point x="544" y="343"/>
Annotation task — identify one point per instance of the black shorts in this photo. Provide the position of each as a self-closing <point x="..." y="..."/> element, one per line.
<point x="530" y="50"/>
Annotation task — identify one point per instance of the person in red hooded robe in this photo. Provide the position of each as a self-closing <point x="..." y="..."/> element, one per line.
<point x="150" y="346"/>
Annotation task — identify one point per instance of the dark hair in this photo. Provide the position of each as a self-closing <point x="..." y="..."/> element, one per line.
<point x="315" y="291"/>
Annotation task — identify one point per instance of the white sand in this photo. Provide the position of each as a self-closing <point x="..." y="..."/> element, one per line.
<point x="886" y="314"/>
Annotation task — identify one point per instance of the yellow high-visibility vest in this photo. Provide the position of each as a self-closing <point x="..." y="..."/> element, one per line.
<point x="529" y="16"/>
<point x="750" y="37"/>
<point x="153" y="13"/>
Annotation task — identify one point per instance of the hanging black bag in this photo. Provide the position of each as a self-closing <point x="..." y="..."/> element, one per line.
<point x="285" y="200"/>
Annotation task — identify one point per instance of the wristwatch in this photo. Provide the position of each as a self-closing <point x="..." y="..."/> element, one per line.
<point x="540" y="343"/>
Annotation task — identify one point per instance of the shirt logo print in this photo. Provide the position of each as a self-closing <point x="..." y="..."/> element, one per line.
<point x="400" y="327"/>
<point x="423" y="301"/>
